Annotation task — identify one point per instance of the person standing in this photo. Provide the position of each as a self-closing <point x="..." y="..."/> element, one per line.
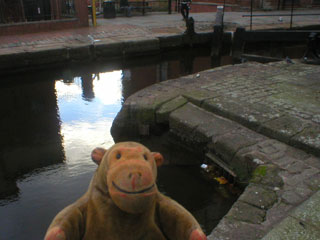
<point x="185" y="6"/>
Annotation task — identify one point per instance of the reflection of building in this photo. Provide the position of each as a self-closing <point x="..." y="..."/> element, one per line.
<point x="87" y="86"/>
<point x="30" y="131"/>
<point x="183" y="63"/>
<point x="41" y="15"/>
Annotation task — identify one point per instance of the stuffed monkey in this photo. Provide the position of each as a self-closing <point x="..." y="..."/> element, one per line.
<point x="123" y="202"/>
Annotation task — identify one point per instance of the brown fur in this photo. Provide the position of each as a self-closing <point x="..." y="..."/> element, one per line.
<point x="123" y="202"/>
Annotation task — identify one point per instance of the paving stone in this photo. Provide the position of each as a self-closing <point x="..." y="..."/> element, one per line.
<point x="303" y="190"/>
<point x="313" y="161"/>
<point x="291" y="197"/>
<point x="267" y="175"/>
<point x="274" y="149"/>
<point x="284" y="162"/>
<point x="229" y="144"/>
<point x="277" y="212"/>
<point x="313" y="182"/>
<point x="187" y="118"/>
<point x="309" y="211"/>
<point x="163" y="112"/>
<point x="283" y="128"/>
<point x="214" y="127"/>
<point x="246" y="213"/>
<point x="293" y="229"/>
<point x="295" y="179"/>
<point x="259" y="196"/>
<point x="309" y="139"/>
<point x="197" y="96"/>
<point x="296" y="167"/>
<point x="231" y="229"/>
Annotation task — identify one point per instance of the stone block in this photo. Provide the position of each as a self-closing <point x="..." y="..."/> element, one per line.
<point x="230" y="109"/>
<point x="267" y="175"/>
<point x="291" y="228"/>
<point x="313" y="182"/>
<point x="143" y="104"/>
<point x="259" y="196"/>
<point x="308" y="139"/>
<point x="162" y="114"/>
<point x="296" y="167"/>
<point x="170" y="41"/>
<point x="230" y="229"/>
<point x="140" y="46"/>
<point x="229" y="144"/>
<point x="272" y="148"/>
<point x="283" y="128"/>
<point x="185" y="119"/>
<point x="309" y="211"/>
<point x="244" y="212"/>
<point x="216" y="126"/>
<point x="276" y="212"/>
<point x="13" y="60"/>
<point x="197" y="96"/>
<point x="77" y="53"/>
<point x="47" y="56"/>
<point x="110" y="49"/>
<point x="291" y="197"/>
<point x="313" y="161"/>
<point x="283" y="162"/>
<point x="304" y="176"/>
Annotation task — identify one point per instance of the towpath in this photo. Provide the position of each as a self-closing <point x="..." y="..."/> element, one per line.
<point x="150" y="25"/>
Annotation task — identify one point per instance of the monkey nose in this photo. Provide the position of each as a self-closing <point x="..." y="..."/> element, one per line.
<point x="135" y="178"/>
<point x="134" y="174"/>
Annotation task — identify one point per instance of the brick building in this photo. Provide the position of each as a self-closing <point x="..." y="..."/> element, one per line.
<point x="24" y="16"/>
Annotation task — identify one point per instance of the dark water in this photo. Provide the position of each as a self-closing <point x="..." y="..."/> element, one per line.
<point x="52" y="119"/>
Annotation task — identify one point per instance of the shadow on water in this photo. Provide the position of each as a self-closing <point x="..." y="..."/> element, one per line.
<point x="52" y="119"/>
<point x="207" y="201"/>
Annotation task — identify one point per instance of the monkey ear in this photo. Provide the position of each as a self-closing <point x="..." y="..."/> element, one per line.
<point x="97" y="155"/>
<point x="158" y="157"/>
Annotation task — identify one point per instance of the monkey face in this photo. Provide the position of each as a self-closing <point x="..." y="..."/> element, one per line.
<point x="131" y="172"/>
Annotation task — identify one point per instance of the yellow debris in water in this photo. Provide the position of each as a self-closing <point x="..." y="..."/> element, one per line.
<point x="221" y="180"/>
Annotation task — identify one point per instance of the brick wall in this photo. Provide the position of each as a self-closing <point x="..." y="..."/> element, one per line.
<point x="81" y="20"/>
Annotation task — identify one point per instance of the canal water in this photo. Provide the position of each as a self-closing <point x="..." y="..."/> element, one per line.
<point x="52" y="119"/>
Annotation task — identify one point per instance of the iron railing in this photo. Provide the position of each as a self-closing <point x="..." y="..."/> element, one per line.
<point x="292" y="14"/>
<point x="155" y="5"/>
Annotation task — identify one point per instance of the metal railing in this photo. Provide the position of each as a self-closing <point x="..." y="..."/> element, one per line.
<point x="156" y="5"/>
<point x="292" y="14"/>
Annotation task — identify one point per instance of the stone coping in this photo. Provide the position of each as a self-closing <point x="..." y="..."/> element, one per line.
<point x="27" y="58"/>
<point x="261" y="120"/>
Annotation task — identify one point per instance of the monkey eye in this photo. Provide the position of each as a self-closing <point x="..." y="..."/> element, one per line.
<point x="118" y="156"/>
<point x="145" y="156"/>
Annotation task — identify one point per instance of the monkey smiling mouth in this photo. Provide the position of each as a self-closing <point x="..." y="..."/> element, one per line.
<point x="135" y="192"/>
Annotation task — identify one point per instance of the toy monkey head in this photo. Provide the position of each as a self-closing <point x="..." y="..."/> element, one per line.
<point x="128" y="171"/>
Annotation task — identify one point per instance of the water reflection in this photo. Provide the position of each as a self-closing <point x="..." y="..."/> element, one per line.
<point x="50" y="122"/>
<point x="85" y="123"/>
<point x="30" y="131"/>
